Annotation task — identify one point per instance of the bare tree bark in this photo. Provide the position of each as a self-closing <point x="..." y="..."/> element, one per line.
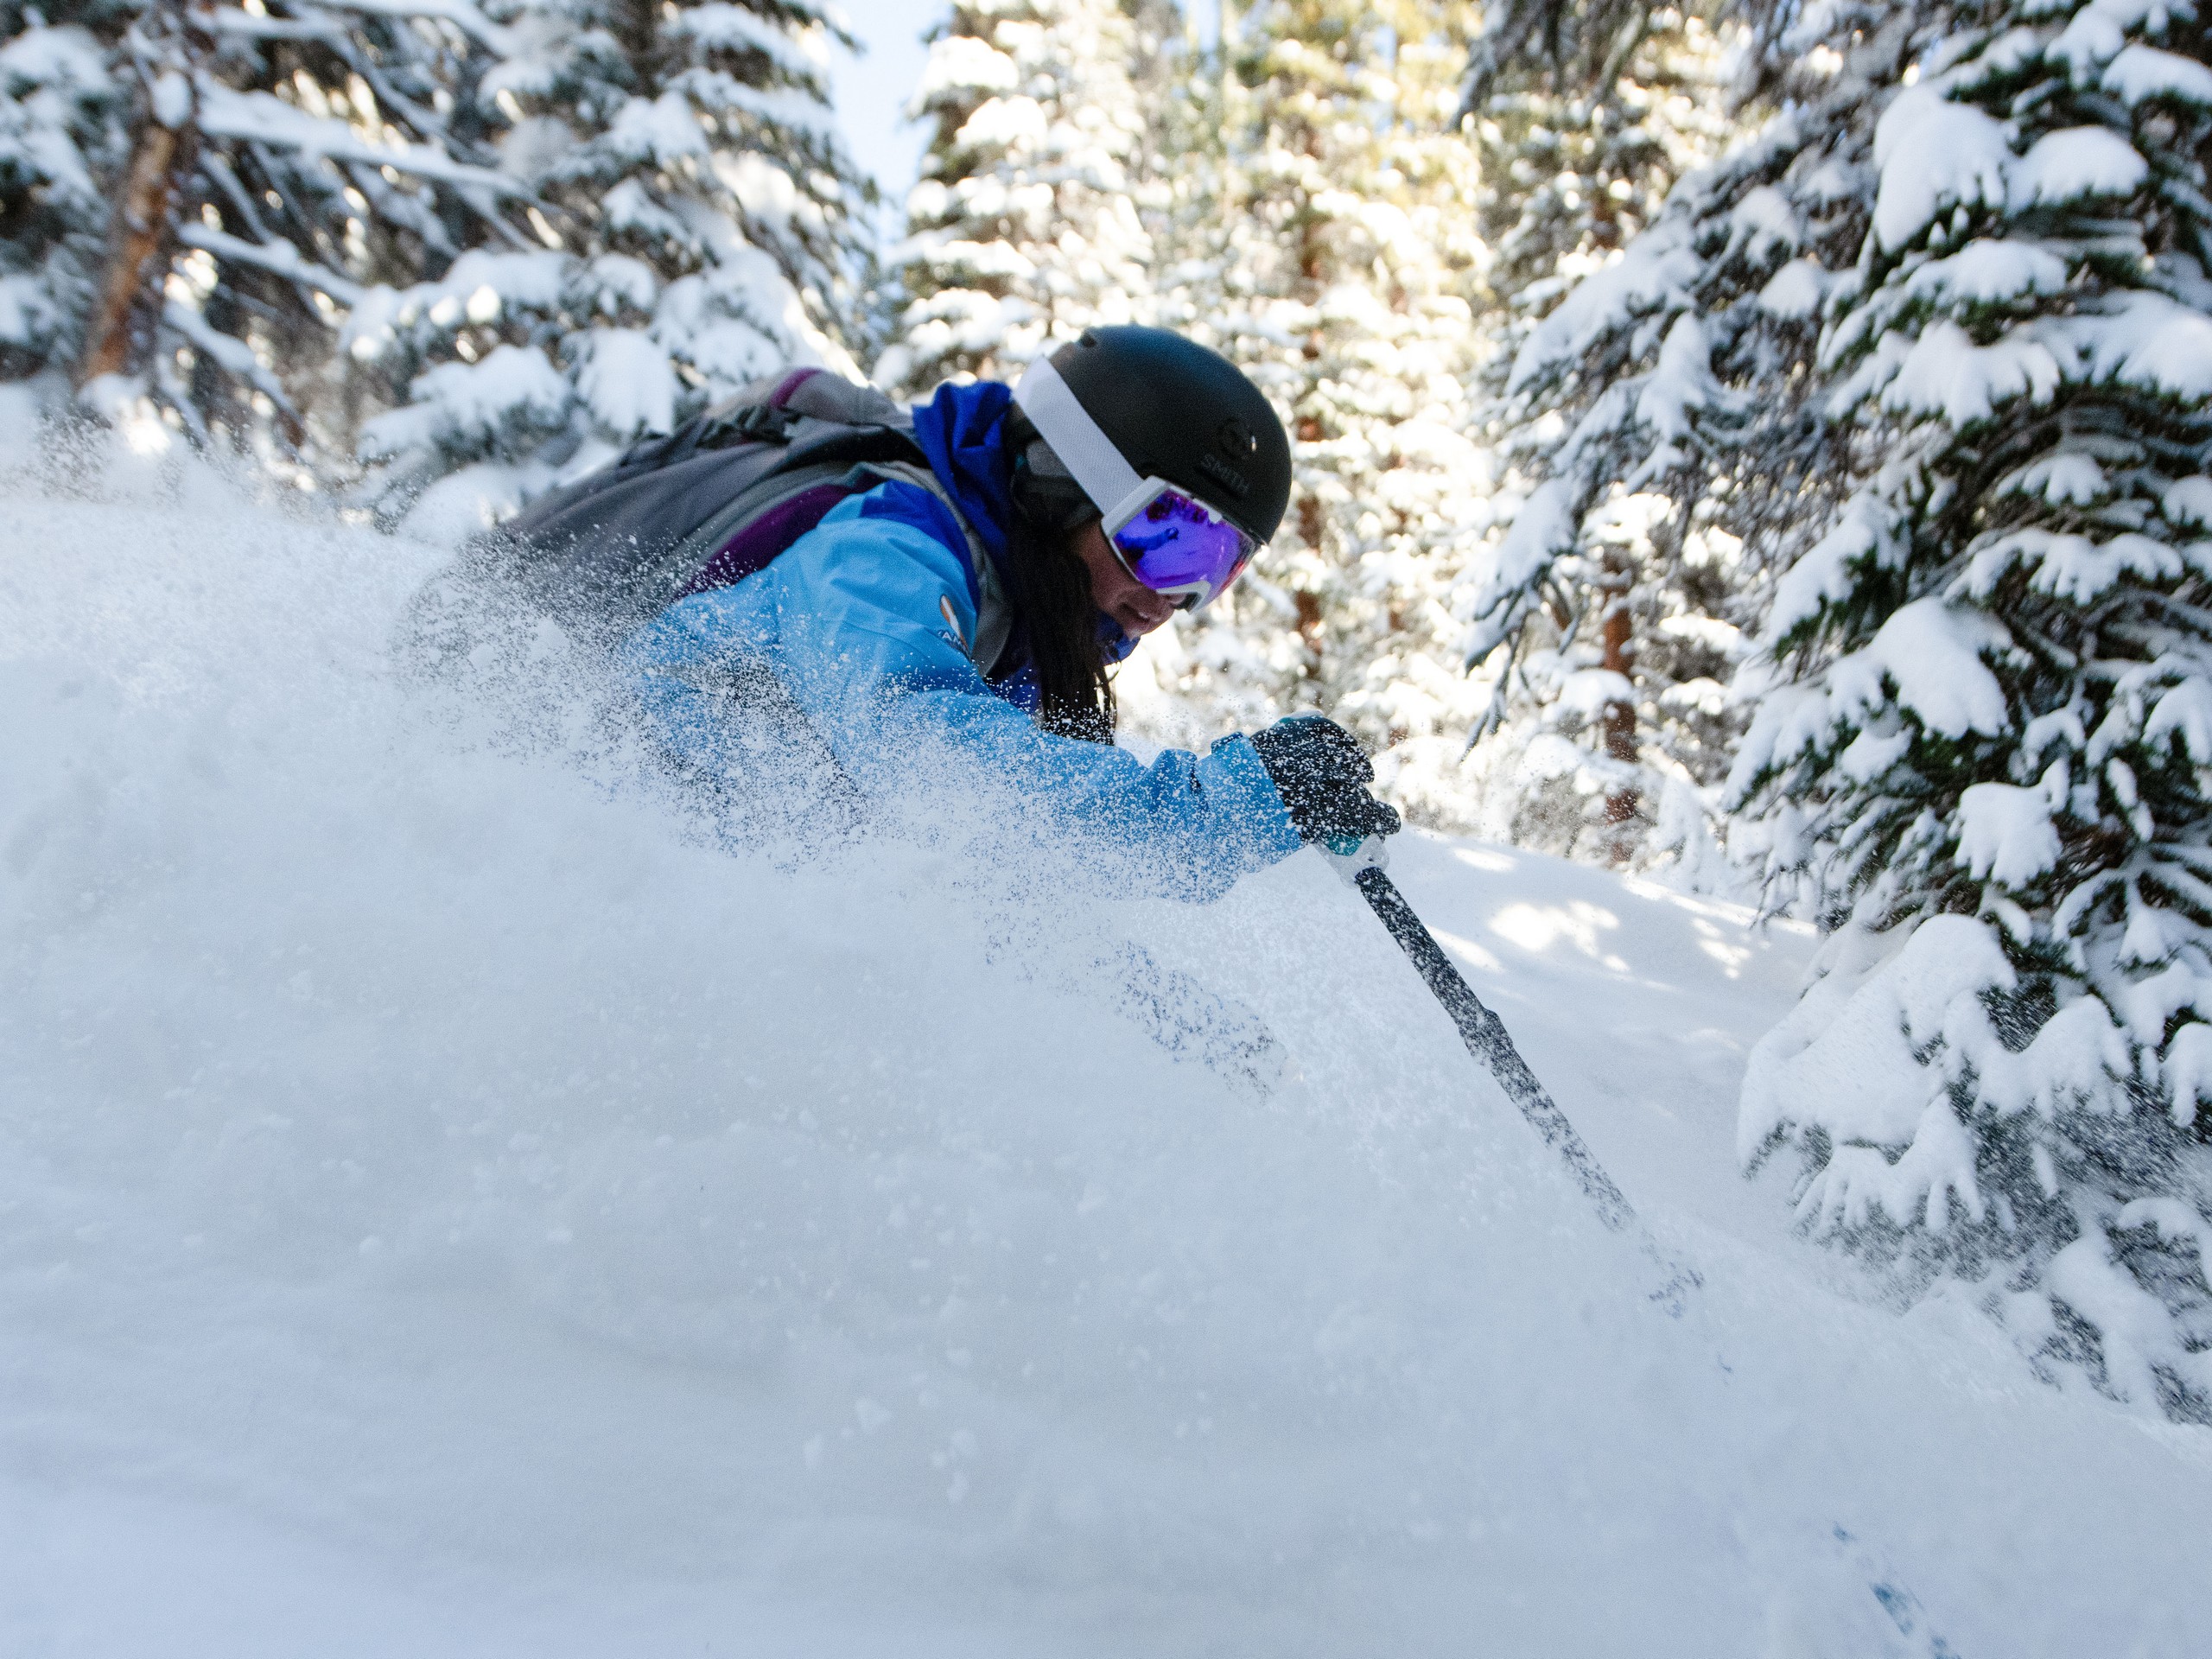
<point x="637" y="28"/>
<point x="114" y="333"/>
<point x="1617" y="724"/>
<point x="142" y="235"/>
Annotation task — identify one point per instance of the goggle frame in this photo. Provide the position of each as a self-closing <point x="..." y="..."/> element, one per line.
<point x="1105" y="476"/>
<point x="1189" y="594"/>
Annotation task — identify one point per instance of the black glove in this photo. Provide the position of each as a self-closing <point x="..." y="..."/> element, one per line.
<point x="1322" y="777"/>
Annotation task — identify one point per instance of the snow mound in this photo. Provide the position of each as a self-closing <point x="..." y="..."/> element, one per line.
<point x="450" y="1202"/>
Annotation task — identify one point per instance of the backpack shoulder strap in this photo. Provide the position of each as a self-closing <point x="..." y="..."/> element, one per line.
<point x="773" y="410"/>
<point x="828" y="397"/>
<point x="993" y="611"/>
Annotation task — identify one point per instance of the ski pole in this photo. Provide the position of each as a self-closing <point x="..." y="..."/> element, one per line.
<point x="1485" y="1036"/>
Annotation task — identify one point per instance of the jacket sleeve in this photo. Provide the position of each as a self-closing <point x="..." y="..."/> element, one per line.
<point x="863" y="621"/>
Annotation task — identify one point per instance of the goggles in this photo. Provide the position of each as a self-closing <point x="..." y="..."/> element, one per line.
<point x="1165" y="537"/>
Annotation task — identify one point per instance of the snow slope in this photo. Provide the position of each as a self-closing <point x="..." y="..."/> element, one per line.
<point x="448" y="1206"/>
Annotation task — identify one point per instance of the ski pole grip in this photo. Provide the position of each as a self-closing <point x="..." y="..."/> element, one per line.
<point x="1352" y="854"/>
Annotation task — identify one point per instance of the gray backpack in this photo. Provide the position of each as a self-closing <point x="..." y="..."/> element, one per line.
<point x="704" y="505"/>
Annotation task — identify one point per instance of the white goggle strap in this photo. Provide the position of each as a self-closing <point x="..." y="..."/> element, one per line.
<point x="1087" y="453"/>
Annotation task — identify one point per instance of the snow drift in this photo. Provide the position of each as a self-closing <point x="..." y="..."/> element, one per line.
<point x="451" y="1202"/>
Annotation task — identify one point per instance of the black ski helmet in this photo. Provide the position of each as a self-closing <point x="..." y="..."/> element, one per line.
<point x="1178" y="411"/>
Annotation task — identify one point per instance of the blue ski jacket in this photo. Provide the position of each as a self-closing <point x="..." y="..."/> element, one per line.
<point x="878" y="623"/>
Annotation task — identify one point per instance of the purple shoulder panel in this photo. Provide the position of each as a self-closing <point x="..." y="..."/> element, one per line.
<point x="758" y="542"/>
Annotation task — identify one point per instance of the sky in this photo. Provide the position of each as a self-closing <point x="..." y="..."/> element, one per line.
<point x="872" y="90"/>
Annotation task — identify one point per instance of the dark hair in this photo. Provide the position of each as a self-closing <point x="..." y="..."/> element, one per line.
<point x="1058" y="617"/>
<point x="1053" y="605"/>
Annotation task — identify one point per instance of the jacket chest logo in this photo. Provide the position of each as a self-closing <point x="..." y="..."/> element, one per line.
<point x="952" y="622"/>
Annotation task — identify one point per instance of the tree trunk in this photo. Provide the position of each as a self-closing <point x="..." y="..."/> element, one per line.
<point x="140" y="236"/>
<point x="637" y="29"/>
<point x="1617" y="725"/>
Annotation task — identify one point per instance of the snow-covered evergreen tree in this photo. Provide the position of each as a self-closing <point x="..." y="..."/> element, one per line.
<point x="1579" y="151"/>
<point x="259" y="169"/>
<point x="1606" y="729"/>
<point x="61" y="134"/>
<point x="1339" y="265"/>
<point x="1944" y="321"/>
<point x="698" y="223"/>
<point x="1995" y="738"/>
<point x="1025" y="228"/>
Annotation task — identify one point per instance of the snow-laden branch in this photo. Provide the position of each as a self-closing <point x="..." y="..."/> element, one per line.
<point x="262" y="118"/>
<point x="280" y="257"/>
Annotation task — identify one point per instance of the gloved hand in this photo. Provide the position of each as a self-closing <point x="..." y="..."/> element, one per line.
<point x="1322" y="777"/>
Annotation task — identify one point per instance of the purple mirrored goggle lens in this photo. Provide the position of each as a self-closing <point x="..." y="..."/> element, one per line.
<point x="1177" y="545"/>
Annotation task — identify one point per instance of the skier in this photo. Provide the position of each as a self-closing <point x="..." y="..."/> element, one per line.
<point x="1129" y="474"/>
